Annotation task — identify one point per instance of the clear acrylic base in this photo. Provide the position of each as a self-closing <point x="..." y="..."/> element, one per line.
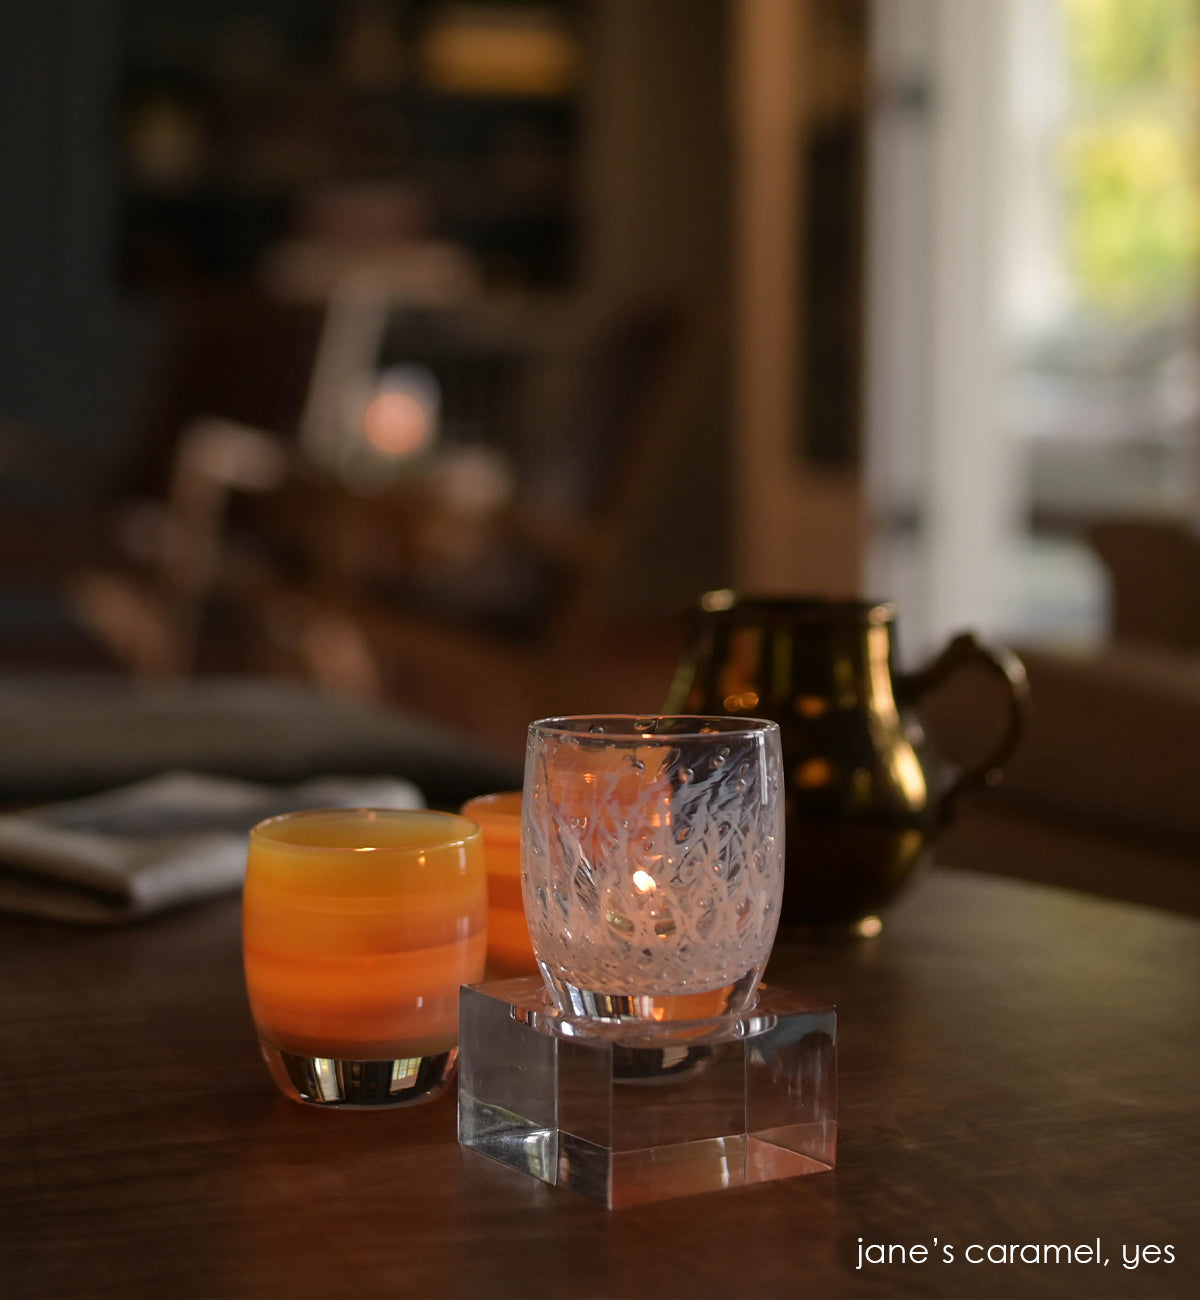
<point x="628" y="1113"/>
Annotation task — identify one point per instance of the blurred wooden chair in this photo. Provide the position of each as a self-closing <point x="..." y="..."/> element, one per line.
<point x="435" y="588"/>
<point x="246" y="392"/>
<point x="1153" y="566"/>
<point x="487" y="609"/>
<point x="150" y="609"/>
<point x="130" y="566"/>
<point x="52" y="503"/>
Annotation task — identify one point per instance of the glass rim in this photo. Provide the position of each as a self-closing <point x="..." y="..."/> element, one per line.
<point x="496" y="804"/>
<point x="641" y="727"/>
<point x="469" y="829"/>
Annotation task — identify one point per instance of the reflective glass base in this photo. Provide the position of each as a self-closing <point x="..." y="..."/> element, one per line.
<point x="358" y="1085"/>
<point x="635" y="1112"/>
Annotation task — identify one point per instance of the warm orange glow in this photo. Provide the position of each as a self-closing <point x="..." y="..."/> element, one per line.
<point x="811" y="706"/>
<point x="906" y="769"/>
<point x="741" y="668"/>
<point x="509" y="950"/>
<point x="397" y="423"/>
<point x="880" y="670"/>
<point x="715" y="601"/>
<point x="813" y="773"/>
<point x="360" y="955"/>
<point x="695" y="1006"/>
<point x="477" y="50"/>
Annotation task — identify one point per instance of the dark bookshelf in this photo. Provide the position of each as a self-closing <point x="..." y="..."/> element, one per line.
<point x="238" y="122"/>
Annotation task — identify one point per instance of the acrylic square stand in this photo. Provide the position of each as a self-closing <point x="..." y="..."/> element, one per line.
<point x="626" y="1114"/>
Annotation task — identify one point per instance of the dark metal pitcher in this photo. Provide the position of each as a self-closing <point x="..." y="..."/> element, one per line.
<point x="865" y="796"/>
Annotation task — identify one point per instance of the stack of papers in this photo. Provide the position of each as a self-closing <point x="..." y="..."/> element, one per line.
<point x="157" y="844"/>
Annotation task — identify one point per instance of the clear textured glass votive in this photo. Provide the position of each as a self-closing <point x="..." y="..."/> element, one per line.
<point x="652" y="862"/>
<point x="499" y="817"/>
<point x="359" y="926"/>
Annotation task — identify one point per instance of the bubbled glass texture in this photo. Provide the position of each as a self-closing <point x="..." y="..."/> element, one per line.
<point x="652" y="853"/>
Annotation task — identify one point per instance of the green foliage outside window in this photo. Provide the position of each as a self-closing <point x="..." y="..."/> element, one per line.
<point x="1129" y="157"/>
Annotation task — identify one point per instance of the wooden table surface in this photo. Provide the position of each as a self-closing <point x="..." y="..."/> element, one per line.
<point x="1018" y="1067"/>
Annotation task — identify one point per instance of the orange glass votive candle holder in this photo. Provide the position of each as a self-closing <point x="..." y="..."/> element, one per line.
<point x="359" y="926"/>
<point x="499" y="817"/>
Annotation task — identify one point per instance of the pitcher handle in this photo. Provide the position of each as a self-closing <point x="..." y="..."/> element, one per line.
<point x="963" y="650"/>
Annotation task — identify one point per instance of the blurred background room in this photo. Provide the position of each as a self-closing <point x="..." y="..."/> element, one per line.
<point x="438" y="354"/>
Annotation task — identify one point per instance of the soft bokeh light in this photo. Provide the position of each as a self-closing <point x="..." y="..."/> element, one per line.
<point x="401" y="418"/>
<point x="397" y="423"/>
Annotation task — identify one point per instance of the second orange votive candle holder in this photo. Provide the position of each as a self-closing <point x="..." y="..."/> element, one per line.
<point x="499" y="817"/>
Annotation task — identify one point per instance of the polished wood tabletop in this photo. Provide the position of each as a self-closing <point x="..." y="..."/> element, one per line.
<point x="1018" y="1070"/>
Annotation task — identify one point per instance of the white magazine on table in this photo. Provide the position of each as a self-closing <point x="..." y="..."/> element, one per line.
<point x="156" y="844"/>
